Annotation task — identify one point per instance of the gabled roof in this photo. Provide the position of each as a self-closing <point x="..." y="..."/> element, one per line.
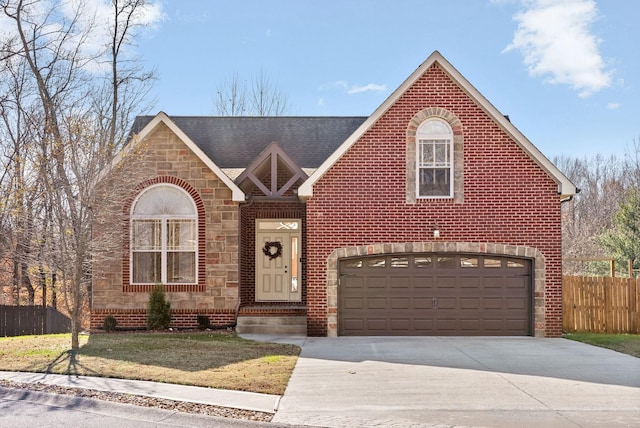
<point x="565" y="187"/>
<point x="140" y="133"/>
<point x="235" y="142"/>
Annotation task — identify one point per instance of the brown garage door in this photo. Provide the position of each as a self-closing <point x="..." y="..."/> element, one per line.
<point x="435" y="294"/>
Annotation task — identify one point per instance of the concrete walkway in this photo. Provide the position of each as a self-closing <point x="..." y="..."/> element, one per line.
<point x="445" y="382"/>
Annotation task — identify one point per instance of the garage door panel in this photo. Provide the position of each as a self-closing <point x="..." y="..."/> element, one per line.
<point x="398" y="282"/>
<point x="423" y="303"/>
<point x="517" y="282"/>
<point x="493" y="282"/>
<point x="354" y="303"/>
<point x="492" y="325"/>
<point x="446" y="325"/>
<point x="401" y="303"/>
<point x="516" y="303"/>
<point x="422" y="281"/>
<point x="515" y="325"/>
<point x="423" y="325"/>
<point x="444" y="303"/>
<point x="470" y="303"/>
<point x="376" y="303"/>
<point x="353" y="283"/>
<point x="469" y="326"/>
<point x="489" y="303"/>
<point x="431" y="294"/>
<point x="377" y="325"/>
<point x="400" y="324"/>
<point x="353" y="324"/>
<point x="446" y="282"/>
<point x="376" y="282"/>
<point x="470" y="283"/>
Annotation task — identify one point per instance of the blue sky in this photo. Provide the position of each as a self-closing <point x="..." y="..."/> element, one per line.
<point x="567" y="72"/>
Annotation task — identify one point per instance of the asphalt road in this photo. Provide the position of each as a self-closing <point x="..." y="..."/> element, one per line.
<point x="22" y="409"/>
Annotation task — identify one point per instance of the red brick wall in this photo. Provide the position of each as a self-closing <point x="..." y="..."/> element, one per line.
<point x="361" y="200"/>
<point x="180" y="318"/>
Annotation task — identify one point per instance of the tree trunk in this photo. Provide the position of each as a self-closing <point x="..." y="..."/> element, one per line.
<point x="43" y="284"/>
<point x="16" y="278"/>
<point x="26" y="283"/>
<point x="54" y="295"/>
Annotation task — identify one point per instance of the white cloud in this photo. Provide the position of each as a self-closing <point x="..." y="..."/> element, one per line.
<point x="613" y="106"/>
<point x="352" y="89"/>
<point x="371" y="87"/>
<point x="555" y="39"/>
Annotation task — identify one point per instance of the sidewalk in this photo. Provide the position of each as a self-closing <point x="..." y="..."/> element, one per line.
<point x="218" y="397"/>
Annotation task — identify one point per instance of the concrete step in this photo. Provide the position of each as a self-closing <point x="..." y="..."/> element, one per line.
<point x="295" y="325"/>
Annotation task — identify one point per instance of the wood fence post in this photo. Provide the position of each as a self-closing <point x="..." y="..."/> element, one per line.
<point x="633" y="306"/>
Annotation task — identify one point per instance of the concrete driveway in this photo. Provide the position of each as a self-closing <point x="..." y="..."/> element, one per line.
<point x="460" y="381"/>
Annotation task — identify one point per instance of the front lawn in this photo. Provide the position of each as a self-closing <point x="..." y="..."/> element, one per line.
<point x="625" y="343"/>
<point x="210" y="359"/>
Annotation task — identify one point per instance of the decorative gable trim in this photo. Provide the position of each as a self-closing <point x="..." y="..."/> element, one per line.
<point x="566" y="189"/>
<point x="237" y="195"/>
<point x="272" y="153"/>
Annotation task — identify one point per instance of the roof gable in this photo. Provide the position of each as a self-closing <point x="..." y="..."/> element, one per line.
<point x="237" y="194"/>
<point x="565" y="187"/>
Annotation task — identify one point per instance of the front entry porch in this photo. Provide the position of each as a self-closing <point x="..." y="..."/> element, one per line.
<point x="272" y="320"/>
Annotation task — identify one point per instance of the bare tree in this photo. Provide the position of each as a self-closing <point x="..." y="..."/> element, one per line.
<point x="260" y="97"/>
<point x="231" y="98"/>
<point x="74" y="130"/>
<point x="602" y="182"/>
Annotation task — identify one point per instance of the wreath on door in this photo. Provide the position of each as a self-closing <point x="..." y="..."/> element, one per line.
<point x="273" y="250"/>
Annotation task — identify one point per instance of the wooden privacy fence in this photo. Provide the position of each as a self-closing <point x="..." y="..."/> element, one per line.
<point x="22" y="320"/>
<point x="601" y="304"/>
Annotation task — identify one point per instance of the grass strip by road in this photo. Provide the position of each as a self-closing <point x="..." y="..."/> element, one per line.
<point x="624" y="343"/>
<point x="210" y="359"/>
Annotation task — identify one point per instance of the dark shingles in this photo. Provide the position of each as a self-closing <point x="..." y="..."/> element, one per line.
<point x="234" y="142"/>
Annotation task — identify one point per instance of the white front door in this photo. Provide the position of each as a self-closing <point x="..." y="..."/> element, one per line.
<point x="278" y="274"/>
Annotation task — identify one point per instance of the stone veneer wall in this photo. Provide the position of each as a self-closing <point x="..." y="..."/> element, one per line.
<point x="165" y="159"/>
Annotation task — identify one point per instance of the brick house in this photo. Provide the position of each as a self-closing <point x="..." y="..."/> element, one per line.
<point x="432" y="216"/>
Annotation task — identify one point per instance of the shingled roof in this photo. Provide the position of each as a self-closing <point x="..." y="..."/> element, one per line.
<point x="234" y="142"/>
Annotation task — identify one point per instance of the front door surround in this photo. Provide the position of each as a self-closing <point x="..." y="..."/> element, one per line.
<point x="278" y="273"/>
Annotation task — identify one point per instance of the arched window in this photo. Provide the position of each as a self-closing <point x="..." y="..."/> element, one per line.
<point x="163" y="237"/>
<point x="434" y="139"/>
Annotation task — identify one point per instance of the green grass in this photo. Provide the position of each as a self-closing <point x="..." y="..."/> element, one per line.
<point x="210" y="359"/>
<point x="625" y="343"/>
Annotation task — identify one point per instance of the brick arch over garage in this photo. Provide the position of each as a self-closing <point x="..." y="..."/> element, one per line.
<point x="439" y="247"/>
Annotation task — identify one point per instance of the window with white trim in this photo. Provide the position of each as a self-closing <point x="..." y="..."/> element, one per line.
<point x="434" y="139"/>
<point x="164" y="237"/>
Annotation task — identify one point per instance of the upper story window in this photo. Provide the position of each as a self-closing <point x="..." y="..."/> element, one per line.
<point x="163" y="237"/>
<point x="434" y="139"/>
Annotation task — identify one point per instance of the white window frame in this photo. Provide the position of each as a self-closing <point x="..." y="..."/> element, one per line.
<point x="164" y="219"/>
<point x="431" y="132"/>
